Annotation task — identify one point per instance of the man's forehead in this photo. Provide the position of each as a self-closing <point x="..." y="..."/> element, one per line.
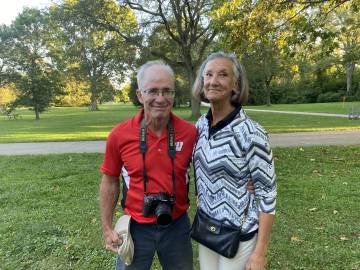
<point x="157" y="75"/>
<point x="157" y="70"/>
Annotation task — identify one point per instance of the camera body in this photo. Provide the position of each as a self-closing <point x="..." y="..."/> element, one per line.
<point x="161" y="205"/>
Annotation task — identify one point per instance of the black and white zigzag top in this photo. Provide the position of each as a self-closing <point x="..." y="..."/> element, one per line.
<point x="225" y="161"/>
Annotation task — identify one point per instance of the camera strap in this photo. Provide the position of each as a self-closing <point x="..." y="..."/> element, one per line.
<point x="171" y="150"/>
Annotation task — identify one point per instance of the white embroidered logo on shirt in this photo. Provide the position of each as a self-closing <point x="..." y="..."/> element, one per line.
<point x="179" y="145"/>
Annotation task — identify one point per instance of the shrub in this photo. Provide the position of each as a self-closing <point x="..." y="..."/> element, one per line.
<point x="330" y="97"/>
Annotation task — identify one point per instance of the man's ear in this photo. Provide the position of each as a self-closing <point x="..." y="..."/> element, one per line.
<point x="139" y="96"/>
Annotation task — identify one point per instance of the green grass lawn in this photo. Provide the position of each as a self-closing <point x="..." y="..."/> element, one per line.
<point x="64" y="124"/>
<point x="333" y="107"/>
<point x="50" y="218"/>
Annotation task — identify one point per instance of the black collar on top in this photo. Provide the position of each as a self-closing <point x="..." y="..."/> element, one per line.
<point x="224" y="122"/>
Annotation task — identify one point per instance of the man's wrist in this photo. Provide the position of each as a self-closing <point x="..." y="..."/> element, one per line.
<point x="106" y="229"/>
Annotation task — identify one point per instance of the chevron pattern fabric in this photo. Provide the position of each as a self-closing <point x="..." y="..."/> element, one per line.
<point x="225" y="162"/>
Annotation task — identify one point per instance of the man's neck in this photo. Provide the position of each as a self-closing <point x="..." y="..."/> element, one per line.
<point x="156" y="125"/>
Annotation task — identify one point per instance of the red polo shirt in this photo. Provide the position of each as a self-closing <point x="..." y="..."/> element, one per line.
<point x="123" y="156"/>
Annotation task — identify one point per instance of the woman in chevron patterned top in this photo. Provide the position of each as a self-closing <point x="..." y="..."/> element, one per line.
<point x="231" y="149"/>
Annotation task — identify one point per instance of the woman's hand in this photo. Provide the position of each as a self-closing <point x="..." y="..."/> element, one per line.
<point x="256" y="262"/>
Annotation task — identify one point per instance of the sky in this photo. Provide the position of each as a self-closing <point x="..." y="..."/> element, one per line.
<point x="9" y="9"/>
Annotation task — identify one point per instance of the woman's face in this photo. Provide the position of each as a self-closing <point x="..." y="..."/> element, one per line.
<point x="219" y="80"/>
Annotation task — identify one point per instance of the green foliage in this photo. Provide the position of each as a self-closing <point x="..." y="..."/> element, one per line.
<point x="285" y="45"/>
<point x="28" y="57"/>
<point x="95" y="54"/>
<point x="7" y="97"/>
<point x="75" y="94"/>
<point x="293" y="51"/>
<point x="328" y="89"/>
<point x="330" y="97"/>
<point x="132" y="93"/>
<point x="123" y="94"/>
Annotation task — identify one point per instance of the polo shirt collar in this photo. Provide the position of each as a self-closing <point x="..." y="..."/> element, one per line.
<point x="139" y="116"/>
<point x="224" y="122"/>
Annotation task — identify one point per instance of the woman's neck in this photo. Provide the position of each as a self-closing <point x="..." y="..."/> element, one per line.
<point x="220" y="111"/>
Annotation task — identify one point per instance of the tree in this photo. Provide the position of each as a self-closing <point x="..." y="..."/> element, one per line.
<point x="251" y="32"/>
<point x="29" y="60"/>
<point x="123" y="94"/>
<point x="75" y="93"/>
<point x="7" y="97"/>
<point x="158" y="41"/>
<point x="264" y="33"/>
<point x="345" y="23"/>
<point x="189" y="25"/>
<point x="91" y="52"/>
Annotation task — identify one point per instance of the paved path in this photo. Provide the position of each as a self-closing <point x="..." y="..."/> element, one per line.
<point x="276" y="140"/>
<point x="301" y="113"/>
<point x="315" y="138"/>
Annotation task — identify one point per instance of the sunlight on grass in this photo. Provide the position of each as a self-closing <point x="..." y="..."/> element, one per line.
<point x="55" y="137"/>
<point x="314" y="129"/>
<point x="69" y="124"/>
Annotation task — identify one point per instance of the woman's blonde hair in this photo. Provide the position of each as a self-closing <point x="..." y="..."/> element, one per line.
<point x="240" y="95"/>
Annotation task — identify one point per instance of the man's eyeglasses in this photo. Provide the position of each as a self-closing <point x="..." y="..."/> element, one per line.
<point x="165" y="92"/>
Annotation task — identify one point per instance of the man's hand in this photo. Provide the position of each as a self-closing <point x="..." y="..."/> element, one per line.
<point x="256" y="262"/>
<point x="250" y="186"/>
<point x="112" y="241"/>
<point x="109" y="193"/>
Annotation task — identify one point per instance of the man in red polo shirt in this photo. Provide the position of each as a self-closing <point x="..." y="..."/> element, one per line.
<point x="152" y="151"/>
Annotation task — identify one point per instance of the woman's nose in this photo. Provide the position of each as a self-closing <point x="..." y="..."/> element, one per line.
<point x="214" y="80"/>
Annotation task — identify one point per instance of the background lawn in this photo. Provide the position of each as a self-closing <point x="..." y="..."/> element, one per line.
<point x="50" y="218"/>
<point x="333" y="107"/>
<point x="64" y="124"/>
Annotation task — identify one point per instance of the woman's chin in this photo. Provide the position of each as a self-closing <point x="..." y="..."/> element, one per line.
<point x="215" y="98"/>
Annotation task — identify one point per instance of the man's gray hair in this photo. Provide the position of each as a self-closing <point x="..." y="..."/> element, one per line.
<point x="240" y="95"/>
<point x="147" y="65"/>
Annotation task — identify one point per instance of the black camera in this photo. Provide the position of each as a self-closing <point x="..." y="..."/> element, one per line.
<point x="161" y="205"/>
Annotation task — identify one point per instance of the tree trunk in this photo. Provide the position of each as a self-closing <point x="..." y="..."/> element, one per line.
<point x="93" y="104"/>
<point x="37" y="113"/>
<point x="268" y="98"/>
<point x="195" y="104"/>
<point x="268" y="91"/>
<point x="195" y="108"/>
<point x="350" y="66"/>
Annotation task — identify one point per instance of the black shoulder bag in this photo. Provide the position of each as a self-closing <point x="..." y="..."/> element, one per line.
<point x="216" y="235"/>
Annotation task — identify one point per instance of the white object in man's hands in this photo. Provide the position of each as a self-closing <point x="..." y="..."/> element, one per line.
<point x="126" y="249"/>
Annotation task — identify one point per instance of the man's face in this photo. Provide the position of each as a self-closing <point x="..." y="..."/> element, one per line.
<point x="156" y="106"/>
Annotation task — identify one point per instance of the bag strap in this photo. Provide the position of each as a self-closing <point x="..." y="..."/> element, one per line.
<point x="171" y="151"/>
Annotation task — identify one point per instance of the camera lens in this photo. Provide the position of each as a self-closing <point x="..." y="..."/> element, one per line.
<point x="163" y="214"/>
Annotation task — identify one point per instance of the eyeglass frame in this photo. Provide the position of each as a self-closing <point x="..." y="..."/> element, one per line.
<point x="165" y="92"/>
